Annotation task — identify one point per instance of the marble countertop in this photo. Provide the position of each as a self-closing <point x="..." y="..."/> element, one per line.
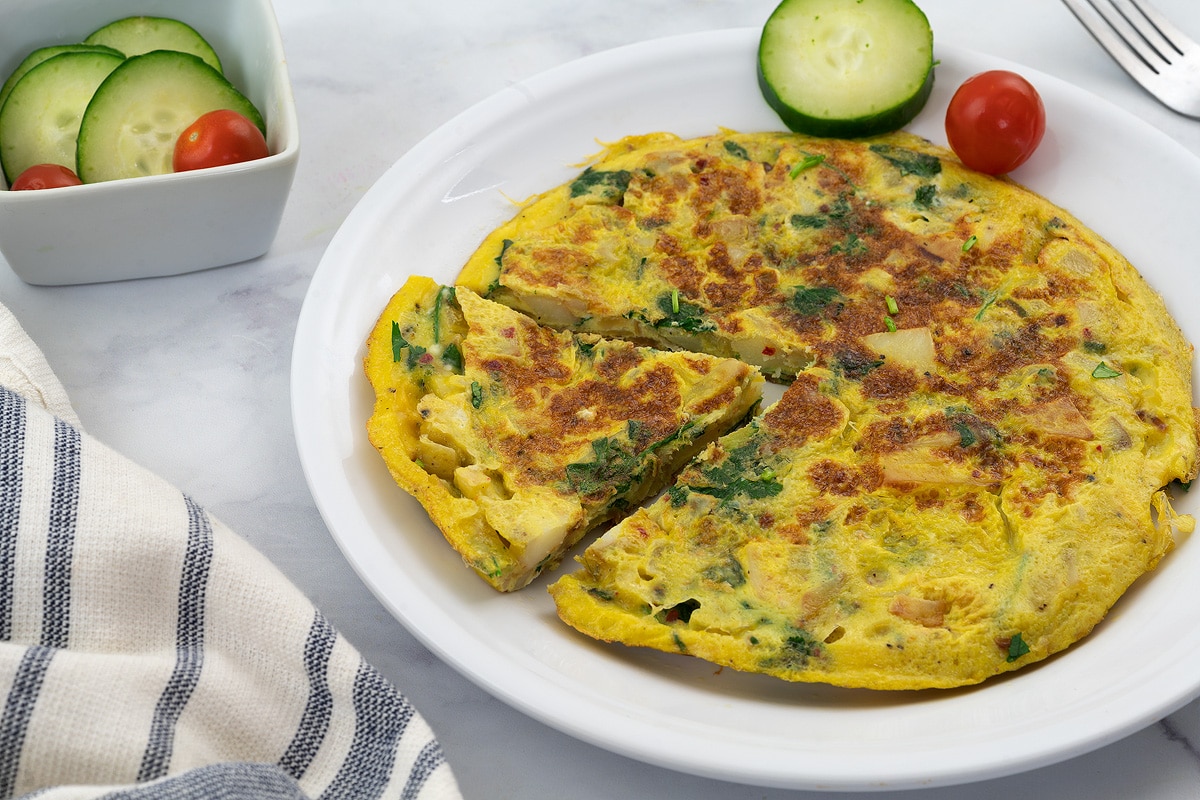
<point x="189" y="375"/>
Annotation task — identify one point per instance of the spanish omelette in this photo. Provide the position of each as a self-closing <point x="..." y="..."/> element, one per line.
<point x="986" y="404"/>
<point x="518" y="439"/>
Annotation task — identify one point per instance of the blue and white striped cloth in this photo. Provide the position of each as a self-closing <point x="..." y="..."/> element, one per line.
<point x="134" y="658"/>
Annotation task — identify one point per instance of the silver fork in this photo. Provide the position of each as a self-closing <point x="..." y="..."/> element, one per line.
<point x="1154" y="52"/>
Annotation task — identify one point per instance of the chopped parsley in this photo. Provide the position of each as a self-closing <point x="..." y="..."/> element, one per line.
<point x="839" y="213"/>
<point x="855" y="365"/>
<point x="444" y="293"/>
<point x="1103" y="370"/>
<point x="611" y="184"/>
<point x="1099" y="348"/>
<point x="617" y="463"/>
<point x="909" y="162"/>
<point x="737" y="474"/>
<point x="814" y="221"/>
<point x="850" y="246"/>
<point x="452" y="357"/>
<point x="971" y="429"/>
<point x="1017" y="648"/>
<point x="507" y="243"/>
<point x="613" y="463"/>
<point x="925" y="195"/>
<point x="728" y="571"/>
<point x="798" y="649"/>
<point x="988" y="301"/>
<point x="736" y="150"/>
<point x="399" y="343"/>
<point x="809" y="301"/>
<point x="679" y="313"/>
<point x="476" y="394"/>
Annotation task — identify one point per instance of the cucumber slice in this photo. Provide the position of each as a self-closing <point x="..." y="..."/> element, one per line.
<point x="136" y="35"/>
<point x="130" y="127"/>
<point x="40" y="120"/>
<point x="846" y="68"/>
<point x="44" y="53"/>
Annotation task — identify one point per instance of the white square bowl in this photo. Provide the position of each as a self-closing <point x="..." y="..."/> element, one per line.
<point x="160" y="224"/>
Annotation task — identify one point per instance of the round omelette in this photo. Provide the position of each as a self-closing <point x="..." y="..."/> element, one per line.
<point x="986" y="405"/>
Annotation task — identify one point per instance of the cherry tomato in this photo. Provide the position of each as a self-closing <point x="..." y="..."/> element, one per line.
<point x="995" y="121"/>
<point x="45" y="176"/>
<point x="218" y="137"/>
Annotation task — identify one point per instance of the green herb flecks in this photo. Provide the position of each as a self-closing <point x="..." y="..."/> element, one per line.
<point x="613" y="464"/>
<point x="679" y="313"/>
<point x="610" y="185"/>
<point x="890" y="324"/>
<point x="988" y="301"/>
<point x="729" y="571"/>
<point x="1103" y="370"/>
<point x="855" y="365"/>
<point x="736" y="150"/>
<point x="452" y="357"/>
<point x="1094" y="347"/>
<point x="476" y="394"/>
<point x="971" y="429"/>
<point x="851" y="247"/>
<point x="966" y="437"/>
<point x="810" y="301"/>
<point x="839" y="213"/>
<point x="1017" y="648"/>
<point x="600" y="594"/>
<point x="970" y="242"/>
<point x="617" y="464"/>
<point x="925" y="195"/>
<point x="797" y="650"/>
<point x="504" y="245"/>
<point x="445" y="294"/>
<point x="909" y="162"/>
<point x="399" y="344"/>
<point x="812" y="221"/>
<point x="738" y="474"/>
<point x="892" y="306"/>
<point x="806" y="163"/>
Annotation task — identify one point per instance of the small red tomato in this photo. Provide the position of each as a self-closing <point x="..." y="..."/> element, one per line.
<point x="995" y="121"/>
<point x="45" y="176"/>
<point x="218" y="137"/>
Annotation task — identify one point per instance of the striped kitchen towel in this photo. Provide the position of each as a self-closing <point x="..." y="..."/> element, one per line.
<point x="146" y="651"/>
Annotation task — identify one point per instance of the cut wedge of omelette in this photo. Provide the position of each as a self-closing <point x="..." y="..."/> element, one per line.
<point x="518" y="439"/>
<point x="968" y="467"/>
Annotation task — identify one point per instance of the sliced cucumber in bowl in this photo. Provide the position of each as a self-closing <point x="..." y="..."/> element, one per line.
<point x="136" y="35"/>
<point x="846" y="68"/>
<point x="131" y="125"/>
<point x="42" y="116"/>
<point x="43" y="54"/>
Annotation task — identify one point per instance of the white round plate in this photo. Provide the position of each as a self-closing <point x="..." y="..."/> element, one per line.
<point x="427" y="214"/>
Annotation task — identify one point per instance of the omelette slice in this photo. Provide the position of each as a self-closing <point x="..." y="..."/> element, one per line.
<point x="518" y="439"/>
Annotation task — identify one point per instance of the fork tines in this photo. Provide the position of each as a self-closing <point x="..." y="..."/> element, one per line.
<point x="1147" y="46"/>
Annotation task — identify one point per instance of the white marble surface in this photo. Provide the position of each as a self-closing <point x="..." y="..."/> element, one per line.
<point x="190" y="375"/>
